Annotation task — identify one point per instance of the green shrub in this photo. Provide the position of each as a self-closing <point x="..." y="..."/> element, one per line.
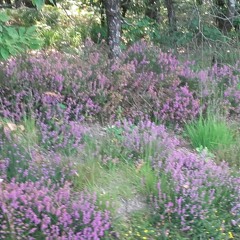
<point x="14" y="40"/>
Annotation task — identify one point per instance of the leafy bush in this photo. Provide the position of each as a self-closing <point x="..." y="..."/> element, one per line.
<point x="15" y="40"/>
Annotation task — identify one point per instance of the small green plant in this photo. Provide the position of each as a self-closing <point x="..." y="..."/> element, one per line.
<point x="14" y="40"/>
<point x="115" y="132"/>
<point x="209" y="133"/>
<point x="149" y="179"/>
<point x="137" y="29"/>
<point x="139" y="226"/>
<point x="204" y="151"/>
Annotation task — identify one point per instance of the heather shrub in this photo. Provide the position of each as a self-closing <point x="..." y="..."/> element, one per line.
<point x="149" y="84"/>
<point x="145" y="81"/>
<point x="14" y="160"/>
<point x="219" y="89"/>
<point x="34" y="164"/>
<point x="53" y="98"/>
<point x="196" y="196"/>
<point x="33" y="211"/>
<point x="26" y="161"/>
<point x="126" y="142"/>
<point x="147" y="141"/>
<point x="51" y="81"/>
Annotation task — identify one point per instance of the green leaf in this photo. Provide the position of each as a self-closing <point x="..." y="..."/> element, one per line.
<point x="34" y="46"/>
<point x="12" y="51"/>
<point x="4" y="53"/>
<point x="1" y="28"/>
<point x="38" y="3"/>
<point x="22" y="31"/>
<point x="31" y="30"/>
<point x="4" y="17"/>
<point x="62" y="106"/>
<point x="12" y="32"/>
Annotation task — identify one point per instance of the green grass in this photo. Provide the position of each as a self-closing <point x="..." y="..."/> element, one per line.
<point x="210" y="133"/>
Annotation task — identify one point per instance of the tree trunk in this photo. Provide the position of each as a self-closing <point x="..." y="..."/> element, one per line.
<point x="153" y="10"/>
<point x="171" y="15"/>
<point x="226" y="14"/>
<point x="114" y="26"/>
<point x="231" y="10"/>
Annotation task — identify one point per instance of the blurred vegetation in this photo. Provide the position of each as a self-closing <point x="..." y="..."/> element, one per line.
<point x="198" y="34"/>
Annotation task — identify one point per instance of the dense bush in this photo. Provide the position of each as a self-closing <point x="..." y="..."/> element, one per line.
<point x="145" y="81"/>
<point x="35" y="165"/>
<point x="219" y="88"/>
<point x="198" y="196"/>
<point x="34" y="211"/>
<point x="195" y="196"/>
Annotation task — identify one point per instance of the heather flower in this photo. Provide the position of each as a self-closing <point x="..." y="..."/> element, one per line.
<point x="141" y="82"/>
<point x="30" y="210"/>
<point x="190" y="188"/>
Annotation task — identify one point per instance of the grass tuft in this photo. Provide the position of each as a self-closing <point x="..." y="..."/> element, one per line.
<point x="210" y="133"/>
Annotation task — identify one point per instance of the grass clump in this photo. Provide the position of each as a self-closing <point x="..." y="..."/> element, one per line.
<point x="210" y="133"/>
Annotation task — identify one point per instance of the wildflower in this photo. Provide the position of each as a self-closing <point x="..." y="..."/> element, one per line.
<point x="144" y="238"/>
<point x="146" y="231"/>
<point x="230" y="235"/>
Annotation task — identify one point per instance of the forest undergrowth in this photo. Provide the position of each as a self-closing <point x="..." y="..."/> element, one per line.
<point x="143" y="147"/>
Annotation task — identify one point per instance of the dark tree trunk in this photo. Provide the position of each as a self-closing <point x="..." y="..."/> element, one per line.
<point x="225" y="15"/>
<point x="114" y="26"/>
<point x="231" y="12"/>
<point x="153" y="10"/>
<point x="171" y="15"/>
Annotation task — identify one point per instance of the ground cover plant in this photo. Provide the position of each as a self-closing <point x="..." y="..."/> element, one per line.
<point x="210" y="133"/>
<point x="145" y="146"/>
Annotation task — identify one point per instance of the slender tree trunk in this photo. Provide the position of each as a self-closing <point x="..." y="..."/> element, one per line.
<point x="153" y="10"/>
<point x="231" y="10"/>
<point x="225" y="19"/>
<point x="114" y="26"/>
<point x="171" y="15"/>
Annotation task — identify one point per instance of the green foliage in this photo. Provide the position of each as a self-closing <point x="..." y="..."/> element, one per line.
<point x="210" y="133"/>
<point x="15" y="153"/>
<point x="98" y="33"/>
<point x="39" y="3"/>
<point x="14" y="40"/>
<point x="213" y="33"/>
<point x="140" y="28"/>
<point x="139" y="227"/>
<point x="149" y="178"/>
<point x="231" y="154"/>
<point x="204" y="151"/>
